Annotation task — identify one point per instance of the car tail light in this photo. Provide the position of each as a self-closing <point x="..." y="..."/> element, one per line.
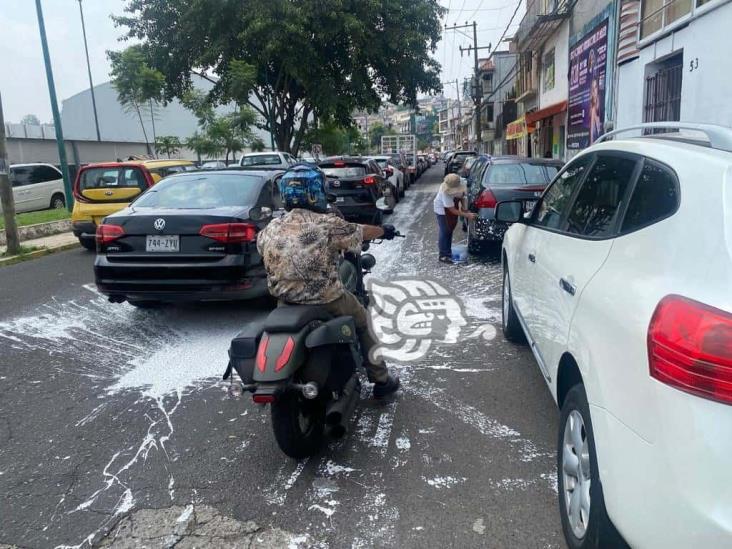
<point x="230" y="233"/>
<point x="369" y="180"/>
<point x="690" y="348"/>
<point x="261" y="360"/>
<point x="486" y="199"/>
<point x="109" y="233"/>
<point x="339" y="164"/>
<point x="285" y="355"/>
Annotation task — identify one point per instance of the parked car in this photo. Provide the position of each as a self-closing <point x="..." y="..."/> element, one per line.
<point x="358" y="183"/>
<point x="399" y="161"/>
<point x="456" y="160"/>
<point x="505" y="178"/>
<point x="412" y="167"/>
<point x="620" y="281"/>
<point x="102" y="189"/>
<point x="190" y="238"/>
<point x="432" y="157"/>
<point x="36" y="187"/>
<point x="464" y="170"/>
<point x="274" y="160"/>
<point x="213" y="165"/>
<point x="423" y="162"/>
<point x="393" y="174"/>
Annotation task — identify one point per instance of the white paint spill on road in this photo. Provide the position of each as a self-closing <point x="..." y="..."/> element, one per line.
<point x="403" y="444"/>
<point x="185" y="515"/>
<point x="383" y="429"/>
<point x="284" y="481"/>
<point x="444" y="482"/>
<point x="331" y="469"/>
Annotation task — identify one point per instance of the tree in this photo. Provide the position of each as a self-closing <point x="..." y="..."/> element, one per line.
<point x="376" y="132"/>
<point x="31" y="120"/>
<point x="336" y="139"/>
<point x="167" y="144"/>
<point x="138" y="86"/>
<point x="293" y="62"/>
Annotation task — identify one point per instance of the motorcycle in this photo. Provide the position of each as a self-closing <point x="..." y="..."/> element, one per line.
<point x="304" y="363"/>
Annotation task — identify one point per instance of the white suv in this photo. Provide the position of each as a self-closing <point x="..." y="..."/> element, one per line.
<point x="37" y="187"/>
<point x="274" y="160"/>
<point x="621" y="281"/>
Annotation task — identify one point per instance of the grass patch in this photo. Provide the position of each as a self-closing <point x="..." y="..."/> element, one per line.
<point x="42" y="216"/>
<point x="23" y="250"/>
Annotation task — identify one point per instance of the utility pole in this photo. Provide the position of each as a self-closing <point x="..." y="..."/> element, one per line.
<point x="54" y="109"/>
<point x="88" y="70"/>
<point x="476" y="88"/>
<point x="6" y="192"/>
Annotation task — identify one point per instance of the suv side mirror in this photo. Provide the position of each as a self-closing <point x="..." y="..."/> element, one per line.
<point x="510" y="211"/>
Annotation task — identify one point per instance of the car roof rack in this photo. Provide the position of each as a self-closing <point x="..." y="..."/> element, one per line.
<point x="720" y="137"/>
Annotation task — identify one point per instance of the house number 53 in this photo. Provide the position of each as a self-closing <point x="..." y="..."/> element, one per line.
<point x="694" y="64"/>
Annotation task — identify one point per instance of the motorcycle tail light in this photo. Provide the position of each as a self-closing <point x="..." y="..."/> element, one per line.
<point x="261" y="360"/>
<point x="263" y="399"/>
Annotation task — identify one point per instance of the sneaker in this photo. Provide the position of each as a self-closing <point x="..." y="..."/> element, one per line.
<point x="391" y="385"/>
<point x="445" y="259"/>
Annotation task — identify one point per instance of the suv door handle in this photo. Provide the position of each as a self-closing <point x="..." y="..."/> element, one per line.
<point x="532" y="258"/>
<point x="567" y="287"/>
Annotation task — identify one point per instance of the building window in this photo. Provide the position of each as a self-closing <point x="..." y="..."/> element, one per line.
<point x="663" y="90"/>
<point x="548" y="63"/>
<point x="658" y="14"/>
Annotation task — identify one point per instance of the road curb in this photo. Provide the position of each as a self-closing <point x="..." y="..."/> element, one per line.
<point x="12" y="260"/>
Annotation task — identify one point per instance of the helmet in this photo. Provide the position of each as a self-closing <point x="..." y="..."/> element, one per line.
<point x="303" y="186"/>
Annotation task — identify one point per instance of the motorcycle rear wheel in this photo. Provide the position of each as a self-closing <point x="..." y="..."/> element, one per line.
<point x="298" y="424"/>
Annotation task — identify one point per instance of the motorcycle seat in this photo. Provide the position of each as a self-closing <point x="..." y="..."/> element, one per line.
<point x="289" y="318"/>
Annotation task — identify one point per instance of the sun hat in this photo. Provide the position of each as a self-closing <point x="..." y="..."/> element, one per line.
<point x="452" y="185"/>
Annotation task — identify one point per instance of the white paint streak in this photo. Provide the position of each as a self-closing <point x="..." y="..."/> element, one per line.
<point x="444" y="482"/>
<point x="185" y="515"/>
<point x="403" y="443"/>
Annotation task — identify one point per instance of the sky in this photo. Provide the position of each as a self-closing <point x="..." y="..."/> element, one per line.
<point x="22" y="75"/>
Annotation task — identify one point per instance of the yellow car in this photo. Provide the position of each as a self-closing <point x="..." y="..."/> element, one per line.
<point x="103" y="189"/>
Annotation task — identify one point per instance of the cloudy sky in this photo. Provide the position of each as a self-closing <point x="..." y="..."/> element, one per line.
<point x="23" y="82"/>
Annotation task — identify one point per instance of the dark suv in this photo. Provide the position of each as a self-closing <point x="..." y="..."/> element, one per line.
<point x="358" y="183"/>
<point x="456" y="161"/>
<point x="504" y="178"/>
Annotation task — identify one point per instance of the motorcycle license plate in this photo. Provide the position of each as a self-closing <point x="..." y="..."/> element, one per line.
<point x="529" y="205"/>
<point x="168" y="243"/>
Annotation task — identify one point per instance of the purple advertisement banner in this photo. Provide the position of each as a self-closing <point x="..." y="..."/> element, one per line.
<point x="587" y="62"/>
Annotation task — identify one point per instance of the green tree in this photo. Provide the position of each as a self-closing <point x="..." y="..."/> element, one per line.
<point x="31" y="120"/>
<point x="167" y="144"/>
<point x="376" y="132"/>
<point x="293" y="62"/>
<point x="138" y="86"/>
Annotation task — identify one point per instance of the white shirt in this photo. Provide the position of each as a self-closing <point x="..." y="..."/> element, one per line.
<point x="442" y="201"/>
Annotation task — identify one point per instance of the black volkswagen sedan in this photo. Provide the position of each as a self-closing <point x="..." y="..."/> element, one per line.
<point x="191" y="237"/>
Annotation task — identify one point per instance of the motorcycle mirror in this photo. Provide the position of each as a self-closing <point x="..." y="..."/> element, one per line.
<point x="368" y="261"/>
<point x="382" y="205"/>
<point x="260" y="213"/>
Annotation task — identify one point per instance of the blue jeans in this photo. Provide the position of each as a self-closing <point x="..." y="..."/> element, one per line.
<point x="444" y="238"/>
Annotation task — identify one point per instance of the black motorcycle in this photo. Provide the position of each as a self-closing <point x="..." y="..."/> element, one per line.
<point x="304" y="362"/>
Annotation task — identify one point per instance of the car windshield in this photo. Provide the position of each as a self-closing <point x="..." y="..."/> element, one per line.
<point x="522" y="173"/>
<point x="102" y="178"/>
<point x="198" y="191"/>
<point x="344" y="171"/>
<point x="261" y="160"/>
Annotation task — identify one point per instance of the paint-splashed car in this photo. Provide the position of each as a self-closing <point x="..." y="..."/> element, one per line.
<point x="191" y="237"/>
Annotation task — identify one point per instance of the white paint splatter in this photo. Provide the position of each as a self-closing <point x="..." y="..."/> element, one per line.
<point x="327" y="511"/>
<point x="331" y="469"/>
<point x="185" y="515"/>
<point x="403" y="443"/>
<point x="383" y="430"/>
<point x="126" y="503"/>
<point x="277" y="493"/>
<point x="444" y="482"/>
<point x="479" y="527"/>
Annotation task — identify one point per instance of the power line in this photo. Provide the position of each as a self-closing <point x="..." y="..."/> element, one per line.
<point x="476" y="10"/>
<point x="461" y="10"/>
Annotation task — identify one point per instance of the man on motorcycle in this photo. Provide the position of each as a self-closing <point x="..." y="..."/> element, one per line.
<point x="301" y="252"/>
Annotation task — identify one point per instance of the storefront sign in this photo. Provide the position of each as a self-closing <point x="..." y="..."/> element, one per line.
<point x="587" y="64"/>
<point x="516" y="129"/>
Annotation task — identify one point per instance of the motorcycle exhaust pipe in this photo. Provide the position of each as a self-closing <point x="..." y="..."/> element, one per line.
<point x="338" y="431"/>
<point x="336" y="410"/>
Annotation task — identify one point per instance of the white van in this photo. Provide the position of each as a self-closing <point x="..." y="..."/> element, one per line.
<point x="37" y="187"/>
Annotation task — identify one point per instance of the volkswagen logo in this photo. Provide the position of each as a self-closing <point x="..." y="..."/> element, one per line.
<point x="159" y="224"/>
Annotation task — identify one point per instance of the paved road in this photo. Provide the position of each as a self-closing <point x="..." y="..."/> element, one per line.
<point x="115" y="420"/>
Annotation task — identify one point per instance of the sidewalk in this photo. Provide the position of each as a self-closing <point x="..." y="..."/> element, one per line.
<point x="45" y="245"/>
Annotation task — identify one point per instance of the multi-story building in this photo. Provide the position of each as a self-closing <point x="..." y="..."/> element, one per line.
<point x="674" y="62"/>
<point x="499" y="90"/>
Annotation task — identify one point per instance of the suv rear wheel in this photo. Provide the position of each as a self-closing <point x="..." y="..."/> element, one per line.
<point x="581" y="504"/>
<point x="58" y="202"/>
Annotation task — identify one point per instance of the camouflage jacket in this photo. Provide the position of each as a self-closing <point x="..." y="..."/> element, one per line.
<point x="301" y="252"/>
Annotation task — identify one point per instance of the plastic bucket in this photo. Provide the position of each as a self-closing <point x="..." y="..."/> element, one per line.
<point x="460" y="253"/>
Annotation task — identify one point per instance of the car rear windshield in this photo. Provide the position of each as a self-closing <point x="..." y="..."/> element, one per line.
<point x="198" y="191"/>
<point x="101" y="178"/>
<point x="382" y="162"/>
<point x="522" y="173"/>
<point x="261" y="160"/>
<point x="352" y="170"/>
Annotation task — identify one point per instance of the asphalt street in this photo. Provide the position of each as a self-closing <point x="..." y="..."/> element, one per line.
<point x="115" y="422"/>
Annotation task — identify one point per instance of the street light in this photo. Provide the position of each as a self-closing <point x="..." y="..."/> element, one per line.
<point x="88" y="69"/>
<point x="54" y="108"/>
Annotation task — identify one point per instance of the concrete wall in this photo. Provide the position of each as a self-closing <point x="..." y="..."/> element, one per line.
<point x="559" y="41"/>
<point x="705" y="91"/>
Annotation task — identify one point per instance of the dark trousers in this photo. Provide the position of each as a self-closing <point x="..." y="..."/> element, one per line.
<point x="444" y="236"/>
